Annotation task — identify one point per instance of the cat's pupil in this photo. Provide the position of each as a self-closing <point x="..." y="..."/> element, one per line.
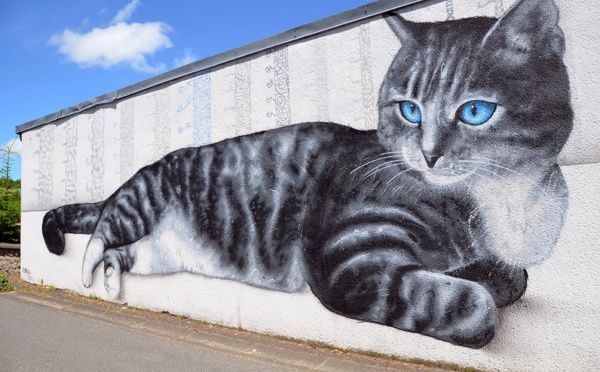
<point x="473" y="109"/>
<point x="413" y="107"/>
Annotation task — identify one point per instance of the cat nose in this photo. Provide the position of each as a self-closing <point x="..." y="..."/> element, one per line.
<point x="431" y="159"/>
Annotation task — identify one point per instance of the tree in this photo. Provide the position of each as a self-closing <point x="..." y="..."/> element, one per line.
<point x="10" y="203"/>
<point x="6" y="166"/>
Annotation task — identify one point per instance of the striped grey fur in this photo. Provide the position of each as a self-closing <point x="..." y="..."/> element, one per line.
<point x="424" y="225"/>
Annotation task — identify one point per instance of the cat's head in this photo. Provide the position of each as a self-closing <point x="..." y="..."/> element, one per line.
<point x="478" y="97"/>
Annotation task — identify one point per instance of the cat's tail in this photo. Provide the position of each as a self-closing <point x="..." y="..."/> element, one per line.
<point x="73" y="218"/>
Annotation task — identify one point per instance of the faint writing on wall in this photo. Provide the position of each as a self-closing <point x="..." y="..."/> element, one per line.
<point x="46" y="161"/>
<point x="161" y="128"/>
<point x="369" y="99"/>
<point x="200" y="104"/>
<point x="243" y="107"/>
<point x="127" y="109"/>
<point x="450" y="10"/>
<point x="95" y="160"/>
<point x="322" y="79"/>
<point x="498" y="6"/>
<point x="280" y="84"/>
<point x="70" y="146"/>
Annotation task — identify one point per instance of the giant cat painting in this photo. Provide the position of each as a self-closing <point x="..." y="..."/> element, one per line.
<point x="426" y="224"/>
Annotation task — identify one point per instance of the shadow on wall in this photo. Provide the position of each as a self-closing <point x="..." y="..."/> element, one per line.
<point x="426" y="224"/>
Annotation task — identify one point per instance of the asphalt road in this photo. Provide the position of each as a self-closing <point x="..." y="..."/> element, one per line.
<point x="50" y="334"/>
<point x="38" y="338"/>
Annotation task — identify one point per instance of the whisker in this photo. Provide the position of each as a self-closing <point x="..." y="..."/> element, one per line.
<point x="479" y="174"/>
<point x="489" y="171"/>
<point x="486" y="158"/>
<point x="488" y="161"/>
<point x="491" y="164"/>
<point x="494" y="162"/>
<point x="392" y="153"/>
<point x="373" y="161"/>
<point x="383" y="166"/>
<point x="392" y="179"/>
<point x="397" y="188"/>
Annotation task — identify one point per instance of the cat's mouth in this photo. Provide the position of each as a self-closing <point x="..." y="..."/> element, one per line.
<point x="445" y="176"/>
<point x="442" y="171"/>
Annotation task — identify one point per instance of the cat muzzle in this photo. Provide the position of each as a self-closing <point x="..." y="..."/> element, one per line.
<point x="431" y="159"/>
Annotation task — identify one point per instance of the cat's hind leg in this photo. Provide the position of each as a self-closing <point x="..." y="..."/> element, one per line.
<point x="126" y="218"/>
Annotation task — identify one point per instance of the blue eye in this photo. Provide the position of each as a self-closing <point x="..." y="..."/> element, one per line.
<point x="476" y="112"/>
<point x="411" y="111"/>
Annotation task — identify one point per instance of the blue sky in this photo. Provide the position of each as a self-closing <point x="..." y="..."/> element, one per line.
<point x="58" y="53"/>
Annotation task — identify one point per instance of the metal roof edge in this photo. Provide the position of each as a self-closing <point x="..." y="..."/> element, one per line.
<point x="326" y="24"/>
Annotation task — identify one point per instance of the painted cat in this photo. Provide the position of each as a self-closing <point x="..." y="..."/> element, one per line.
<point x="426" y="224"/>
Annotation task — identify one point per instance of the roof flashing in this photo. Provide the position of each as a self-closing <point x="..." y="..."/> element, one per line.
<point x="302" y="32"/>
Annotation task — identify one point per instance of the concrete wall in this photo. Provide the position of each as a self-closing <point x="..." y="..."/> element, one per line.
<point x="332" y="77"/>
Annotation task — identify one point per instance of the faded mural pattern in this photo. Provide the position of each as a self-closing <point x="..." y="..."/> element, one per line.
<point x="426" y="224"/>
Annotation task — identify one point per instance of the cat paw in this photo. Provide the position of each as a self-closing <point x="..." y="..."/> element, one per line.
<point x="87" y="281"/>
<point x="112" y="273"/>
<point x="469" y="316"/>
<point x="112" y="283"/>
<point x="447" y="308"/>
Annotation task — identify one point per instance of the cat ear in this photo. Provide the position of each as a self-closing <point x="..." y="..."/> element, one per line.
<point x="530" y="26"/>
<point x="400" y="26"/>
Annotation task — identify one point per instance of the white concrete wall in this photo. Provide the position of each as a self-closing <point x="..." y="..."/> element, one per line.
<point x="333" y="77"/>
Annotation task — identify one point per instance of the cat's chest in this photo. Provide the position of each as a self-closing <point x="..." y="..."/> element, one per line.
<point x="521" y="220"/>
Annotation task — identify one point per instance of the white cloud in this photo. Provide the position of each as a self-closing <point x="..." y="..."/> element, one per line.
<point x="188" y="57"/>
<point x="124" y="14"/>
<point x="16" y="146"/>
<point x="119" y="43"/>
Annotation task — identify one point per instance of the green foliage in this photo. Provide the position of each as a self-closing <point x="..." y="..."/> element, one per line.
<point x="5" y="285"/>
<point x="10" y="215"/>
<point x="10" y="199"/>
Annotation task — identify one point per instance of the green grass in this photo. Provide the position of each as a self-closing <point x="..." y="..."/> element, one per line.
<point x="5" y="284"/>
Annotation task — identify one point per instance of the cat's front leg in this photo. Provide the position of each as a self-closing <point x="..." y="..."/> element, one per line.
<point x="451" y="309"/>
<point x="412" y="299"/>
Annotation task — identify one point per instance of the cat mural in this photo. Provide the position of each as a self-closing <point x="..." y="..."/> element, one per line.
<point x="426" y="224"/>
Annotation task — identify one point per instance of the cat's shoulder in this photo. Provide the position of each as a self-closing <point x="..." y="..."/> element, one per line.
<point x="334" y="131"/>
<point x="323" y="128"/>
<point x="324" y="133"/>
